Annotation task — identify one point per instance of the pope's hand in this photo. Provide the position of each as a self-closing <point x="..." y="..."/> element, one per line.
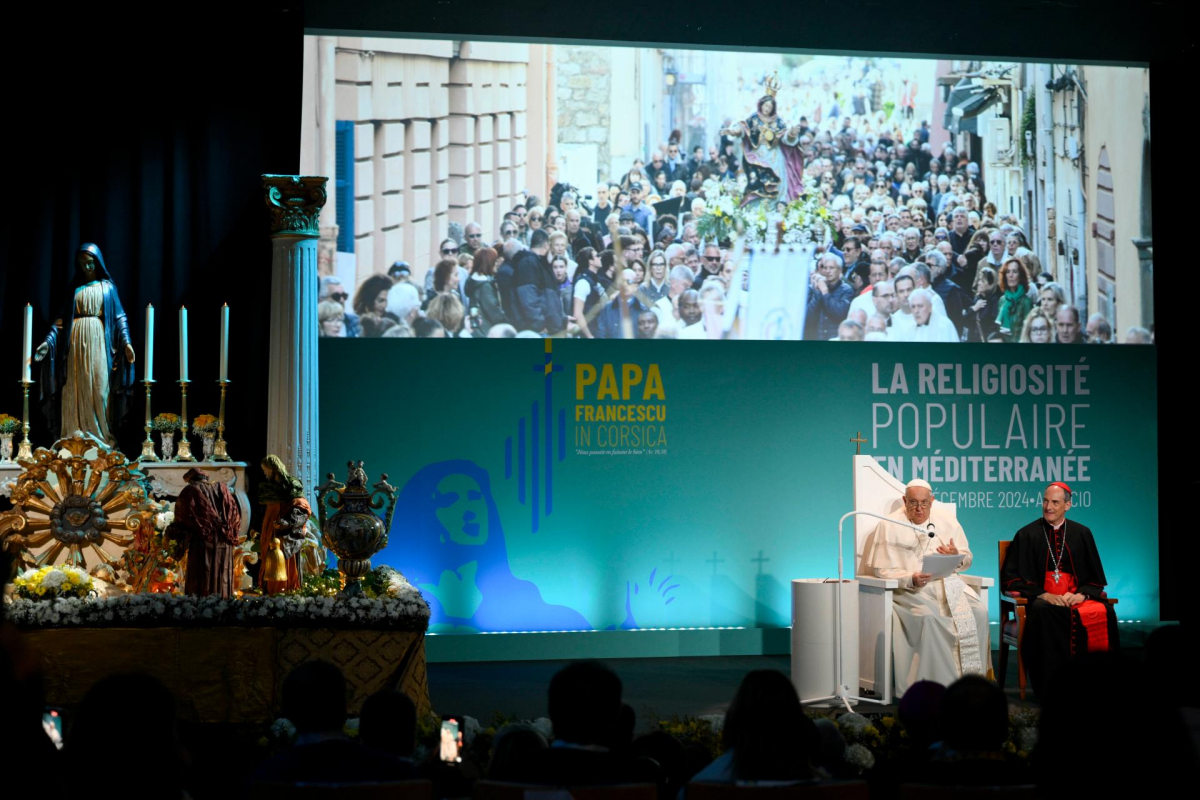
<point x="919" y="579"/>
<point x="41" y="352"/>
<point x="948" y="549"/>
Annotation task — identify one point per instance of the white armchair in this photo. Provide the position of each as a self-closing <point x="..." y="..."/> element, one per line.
<point x="875" y="490"/>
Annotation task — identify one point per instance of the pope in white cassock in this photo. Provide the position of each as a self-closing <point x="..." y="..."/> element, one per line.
<point x="939" y="626"/>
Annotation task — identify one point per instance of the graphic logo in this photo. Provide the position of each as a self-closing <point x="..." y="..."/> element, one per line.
<point x="540" y="450"/>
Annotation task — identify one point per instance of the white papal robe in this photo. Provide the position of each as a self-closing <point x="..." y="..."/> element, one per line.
<point x="940" y="630"/>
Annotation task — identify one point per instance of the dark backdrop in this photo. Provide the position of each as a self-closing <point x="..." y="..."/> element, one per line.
<point x="149" y="142"/>
<point x="146" y="134"/>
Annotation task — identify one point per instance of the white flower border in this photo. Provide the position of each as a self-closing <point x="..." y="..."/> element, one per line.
<point x="406" y="611"/>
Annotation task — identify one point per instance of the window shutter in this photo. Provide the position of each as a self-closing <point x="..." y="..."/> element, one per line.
<point x="344" y="186"/>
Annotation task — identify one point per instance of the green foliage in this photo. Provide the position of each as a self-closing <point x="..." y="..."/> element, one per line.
<point x="693" y="730"/>
<point x="327" y="584"/>
<point x="1028" y="127"/>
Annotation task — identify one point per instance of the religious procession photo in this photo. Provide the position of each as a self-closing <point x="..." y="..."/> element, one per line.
<point x="809" y="197"/>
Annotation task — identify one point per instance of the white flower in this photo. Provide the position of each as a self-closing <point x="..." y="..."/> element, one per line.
<point x="283" y="728"/>
<point x="545" y="727"/>
<point x="853" y="723"/>
<point x="54" y="578"/>
<point x="717" y="721"/>
<point x="859" y="756"/>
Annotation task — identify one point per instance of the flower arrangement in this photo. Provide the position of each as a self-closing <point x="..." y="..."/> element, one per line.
<point x="385" y="582"/>
<point x="204" y="423"/>
<point x="702" y="731"/>
<point x="803" y="220"/>
<point x="409" y="612"/>
<point x="50" y="582"/>
<point x="167" y="422"/>
<point x="1022" y="733"/>
<point x="9" y="424"/>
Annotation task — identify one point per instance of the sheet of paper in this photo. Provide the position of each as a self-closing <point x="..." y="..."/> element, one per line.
<point x="940" y="566"/>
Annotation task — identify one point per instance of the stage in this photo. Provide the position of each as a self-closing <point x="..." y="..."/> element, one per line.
<point x="656" y="687"/>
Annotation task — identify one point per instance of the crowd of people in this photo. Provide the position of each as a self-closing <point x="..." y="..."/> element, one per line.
<point x="957" y="735"/>
<point x="915" y="252"/>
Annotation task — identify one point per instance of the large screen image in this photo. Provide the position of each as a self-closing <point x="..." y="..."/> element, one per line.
<point x="494" y="189"/>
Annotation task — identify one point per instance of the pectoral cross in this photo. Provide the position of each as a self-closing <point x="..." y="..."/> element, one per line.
<point x="859" y="442"/>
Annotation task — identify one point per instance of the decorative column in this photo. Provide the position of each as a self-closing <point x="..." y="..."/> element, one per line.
<point x="294" y="203"/>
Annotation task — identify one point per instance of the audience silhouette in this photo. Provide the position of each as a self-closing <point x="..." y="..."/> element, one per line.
<point x="314" y="699"/>
<point x="1090" y="739"/>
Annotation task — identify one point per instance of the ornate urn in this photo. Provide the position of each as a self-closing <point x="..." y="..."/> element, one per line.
<point x="354" y="532"/>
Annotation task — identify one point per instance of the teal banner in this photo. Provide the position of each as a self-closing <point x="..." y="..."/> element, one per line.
<point x="591" y="485"/>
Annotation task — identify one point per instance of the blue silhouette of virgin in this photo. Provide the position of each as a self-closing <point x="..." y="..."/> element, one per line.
<point x="448" y="541"/>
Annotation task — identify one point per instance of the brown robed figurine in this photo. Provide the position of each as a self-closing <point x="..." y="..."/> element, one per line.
<point x="207" y="521"/>
<point x="1053" y="563"/>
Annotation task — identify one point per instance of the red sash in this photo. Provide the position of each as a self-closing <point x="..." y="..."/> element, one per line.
<point x="1091" y="616"/>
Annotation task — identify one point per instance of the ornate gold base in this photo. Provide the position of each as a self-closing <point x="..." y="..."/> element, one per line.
<point x="219" y="451"/>
<point x="184" y="453"/>
<point x="24" y="450"/>
<point x="148" y="453"/>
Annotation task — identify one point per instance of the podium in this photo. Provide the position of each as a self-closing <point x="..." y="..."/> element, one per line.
<point x="814" y="633"/>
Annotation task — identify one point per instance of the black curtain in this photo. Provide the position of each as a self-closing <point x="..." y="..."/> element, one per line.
<point x="150" y="142"/>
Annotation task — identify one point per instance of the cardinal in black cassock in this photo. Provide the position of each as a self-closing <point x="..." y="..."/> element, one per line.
<point x="1053" y="563"/>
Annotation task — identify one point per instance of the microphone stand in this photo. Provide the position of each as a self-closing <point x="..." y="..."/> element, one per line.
<point x="842" y="693"/>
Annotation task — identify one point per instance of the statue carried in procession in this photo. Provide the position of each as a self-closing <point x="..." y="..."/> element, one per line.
<point x="770" y="153"/>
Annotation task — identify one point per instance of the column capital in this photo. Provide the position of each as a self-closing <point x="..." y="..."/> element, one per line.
<point x="294" y="203"/>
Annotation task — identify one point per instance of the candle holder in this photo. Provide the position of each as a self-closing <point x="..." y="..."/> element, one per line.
<point x="219" y="451"/>
<point x="185" y="447"/>
<point x="148" y="453"/>
<point x="25" y="449"/>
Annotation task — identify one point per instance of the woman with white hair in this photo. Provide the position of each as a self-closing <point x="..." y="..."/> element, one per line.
<point x="404" y="302"/>
<point x="678" y="189"/>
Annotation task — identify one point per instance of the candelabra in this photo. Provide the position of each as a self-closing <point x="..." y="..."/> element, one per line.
<point x="148" y="453"/>
<point x="219" y="451"/>
<point x="25" y="449"/>
<point x="184" y="453"/>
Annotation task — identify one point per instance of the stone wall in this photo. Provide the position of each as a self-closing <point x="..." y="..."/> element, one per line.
<point x="439" y="138"/>
<point x="582" y="95"/>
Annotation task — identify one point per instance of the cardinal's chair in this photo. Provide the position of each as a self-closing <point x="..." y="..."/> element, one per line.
<point x="1012" y="626"/>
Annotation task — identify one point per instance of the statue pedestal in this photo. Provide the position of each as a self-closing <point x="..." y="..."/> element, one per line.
<point x="166" y="481"/>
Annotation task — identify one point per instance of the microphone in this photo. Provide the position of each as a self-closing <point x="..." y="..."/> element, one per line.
<point x="930" y="527"/>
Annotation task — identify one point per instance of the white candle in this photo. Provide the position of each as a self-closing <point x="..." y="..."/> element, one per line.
<point x="27" y="344"/>
<point x="183" y="370"/>
<point x="148" y="370"/>
<point x="224" y="341"/>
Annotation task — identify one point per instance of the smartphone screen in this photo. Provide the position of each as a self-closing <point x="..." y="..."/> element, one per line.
<point x="52" y="724"/>
<point x="451" y="745"/>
